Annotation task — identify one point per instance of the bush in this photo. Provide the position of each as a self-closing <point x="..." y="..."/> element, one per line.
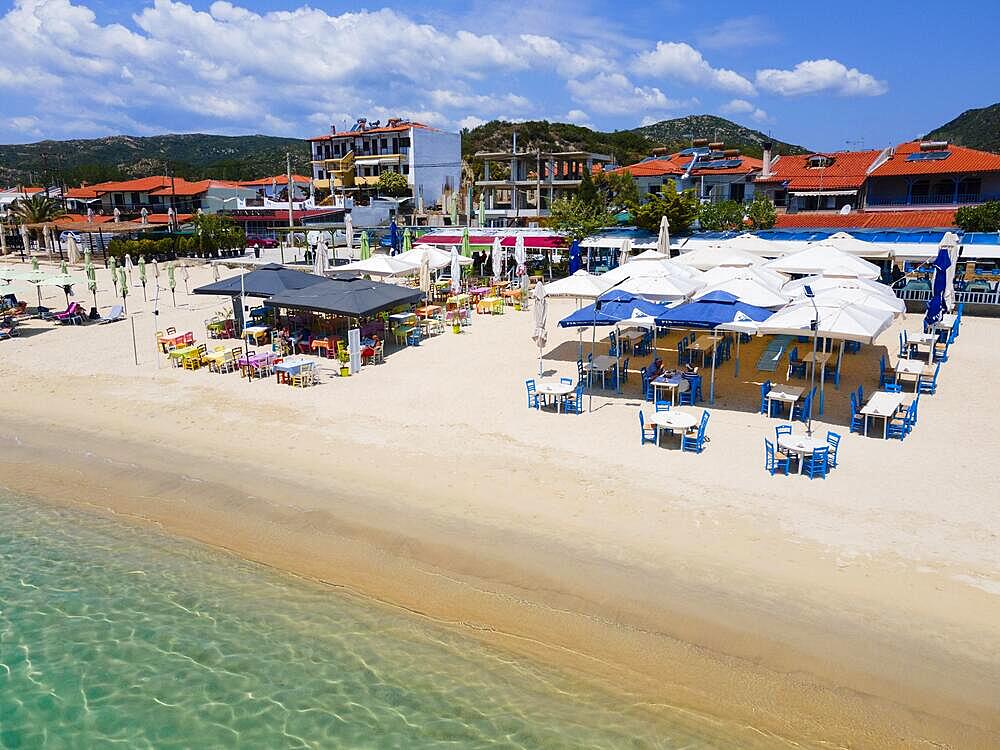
<point x="981" y="218"/>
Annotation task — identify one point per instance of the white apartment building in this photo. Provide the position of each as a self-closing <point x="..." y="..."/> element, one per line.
<point x="352" y="160"/>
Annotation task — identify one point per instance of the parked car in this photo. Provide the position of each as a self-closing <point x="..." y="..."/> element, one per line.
<point x="253" y="239"/>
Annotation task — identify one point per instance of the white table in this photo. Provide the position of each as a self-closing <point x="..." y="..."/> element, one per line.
<point x="784" y="394"/>
<point x="676" y="383"/>
<point x="921" y="339"/>
<point x="675" y="420"/>
<point x="914" y="368"/>
<point x="555" y="388"/>
<point x="818" y="358"/>
<point x="947" y="322"/>
<point x="883" y="405"/>
<point x="802" y="445"/>
<point x="602" y="363"/>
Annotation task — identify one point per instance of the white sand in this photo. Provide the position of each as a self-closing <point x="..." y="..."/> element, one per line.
<point x="874" y="580"/>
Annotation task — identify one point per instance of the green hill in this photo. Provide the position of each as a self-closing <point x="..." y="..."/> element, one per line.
<point x="974" y="128"/>
<point x="193" y="156"/>
<point x="677" y="132"/>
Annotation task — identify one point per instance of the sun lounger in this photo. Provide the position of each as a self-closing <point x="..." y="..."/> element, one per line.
<point x="73" y="314"/>
<point x="772" y="355"/>
<point x="116" y="313"/>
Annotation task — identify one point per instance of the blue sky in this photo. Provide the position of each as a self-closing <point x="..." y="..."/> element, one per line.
<point x="828" y="76"/>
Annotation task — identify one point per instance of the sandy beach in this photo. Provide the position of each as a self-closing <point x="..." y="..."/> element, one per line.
<point x="859" y="611"/>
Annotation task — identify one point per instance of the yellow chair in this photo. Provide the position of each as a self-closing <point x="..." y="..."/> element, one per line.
<point x="306" y="376"/>
<point x="196" y="359"/>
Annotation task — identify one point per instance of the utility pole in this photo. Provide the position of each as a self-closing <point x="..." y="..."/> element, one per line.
<point x="291" y="216"/>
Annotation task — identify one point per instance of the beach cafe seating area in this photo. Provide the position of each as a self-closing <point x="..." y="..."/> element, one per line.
<point x="809" y="331"/>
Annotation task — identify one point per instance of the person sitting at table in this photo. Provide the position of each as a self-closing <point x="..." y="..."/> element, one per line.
<point x="654" y="369"/>
<point x="690" y="369"/>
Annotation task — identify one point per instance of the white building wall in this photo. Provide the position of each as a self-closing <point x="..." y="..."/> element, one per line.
<point x="435" y="159"/>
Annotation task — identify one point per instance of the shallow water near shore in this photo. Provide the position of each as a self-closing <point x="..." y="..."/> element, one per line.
<point x="111" y="633"/>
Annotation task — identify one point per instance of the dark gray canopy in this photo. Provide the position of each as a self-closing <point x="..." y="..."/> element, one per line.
<point x="356" y="298"/>
<point x="265" y="281"/>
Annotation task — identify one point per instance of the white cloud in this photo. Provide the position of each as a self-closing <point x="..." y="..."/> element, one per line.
<point x="479" y="103"/>
<point x="577" y="117"/>
<point x="565" y="61"/>
<point x="27" y="125"/>
<point x="733" y="33"/>
<point x="683" y="62"/>
<point x="743" y="107"/>
<point x="816" y="76"/>
<point x="613" y="93"/>
<point x="470" y="122"/>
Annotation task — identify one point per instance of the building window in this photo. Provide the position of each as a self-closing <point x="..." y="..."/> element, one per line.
<point x="404" y="142"/>
<point x="406" y="169"/>
<point x="818" y="161"/>
<point x="385" y="143"/>
<point x="970" y="188"/>
<point x="920" y="189"/>
<point x="737" y="191"/>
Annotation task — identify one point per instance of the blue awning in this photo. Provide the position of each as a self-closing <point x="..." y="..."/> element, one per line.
<point x="710" y="311"/>
<point x="611" y="308"/>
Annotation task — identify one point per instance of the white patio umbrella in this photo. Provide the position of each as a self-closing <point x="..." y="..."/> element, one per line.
<point x="704" y="258"/>
<point x="383" y="266"/>
<point x="649" y="255"/>
<point x="824" y="259"/>
<point x="856" y="295"/>
<point x="128" y="268"/>
<point x="47" y="238"/>
<point x="647" y="268"/>
<point x="215" y="272"/>
<point x="349" y="231"/>
<point x="72" y="251"/>
<point x="456" y="271"/>
<point x="3" y="239"/>
<point x="322" y="262"/>
<point x="748" y="289"/>
<point x="521" y="266"/>
<point x="765" y="276"/>
<point x="626" y="251"/>
<point x="437" y="257"/>
<point x="497" y="259"/>
<point x="581" y="285"/>
<point x="25" y="239"/>
<point x="540" y="313"/>
<point x="156" y="272"/>
<point x="144" y="216"/>
<point x="663" y="238"/>
<point x="755" y="245"/>
<point x="796" y="288"/>
<point x="117" y="215"/>
<point x="848" y="243"/>
<point x="662" y="288"/>
<point x="425" y="277"/>
<point x="834" y="320"/>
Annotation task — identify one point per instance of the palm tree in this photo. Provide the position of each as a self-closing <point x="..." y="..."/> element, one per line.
<point x="38" y="209"/>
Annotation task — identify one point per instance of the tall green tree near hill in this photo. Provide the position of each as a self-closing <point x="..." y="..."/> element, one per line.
<point x="618" y="189"/>
<point x="982" y="218"/>
<point x="393" y="184"/>
<point x="681" y="209"/>
<point x="37" y="209"/>
<point x="218" y="232"/>
<point x="732" y="215"/>
<point x="578" y="218"/>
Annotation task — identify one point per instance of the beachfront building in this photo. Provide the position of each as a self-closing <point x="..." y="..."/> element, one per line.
<point x="518" y="187"/>
<point x="275" y="188"/>
<point x="157" y="195"/>
<point x="816" y="181"/>
<point x="714" y="172"/>
<point x="351" y="161"/>
<point x="10" y="195"/>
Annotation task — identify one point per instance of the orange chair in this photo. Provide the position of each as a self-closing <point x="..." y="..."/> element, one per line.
<point x="324" y="347"/>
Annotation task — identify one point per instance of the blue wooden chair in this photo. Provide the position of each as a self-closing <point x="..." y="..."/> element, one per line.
<point x="884" y="373"/>
<point x="566" y="381"/>
<point x="624" y="370"/>
<point x="834" y="440"/>
<point x="695" y="443"/>
<point x="613" y="347"/>
<point x="782" y="429"/>
<point x="796" y="367"/>
<point x="892" y="388"/>
<point x="573" y="403"/>
<point x="534" y="398"/>
<point x="852" y="347"/>
<point x="899" y="427"/>
<point x="647" y="388"/>
<point x="817" y="464"/>
<point x="802" y="411"/>
<point x="929" y="386"/>
<point x="904" y="349"/>
<point x="581" y="376"/>
<point x="693" y="394"/>
<point x="941" y="351"/>
<point x="861" y="394"/>
<point x="857" y="418"/>
<point x="683" y="355"/>
<point x="648" y="434"/>
<point x="765" y="388"/>
<point x="774" y="460"/>
<point x="661" y="404"/>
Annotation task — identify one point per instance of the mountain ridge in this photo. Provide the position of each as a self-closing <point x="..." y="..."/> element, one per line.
<point x="974" y="128"/>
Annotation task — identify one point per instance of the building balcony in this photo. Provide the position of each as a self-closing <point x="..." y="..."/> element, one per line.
<point x="959" y="199"/>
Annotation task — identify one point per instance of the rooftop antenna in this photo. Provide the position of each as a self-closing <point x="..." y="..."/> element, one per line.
<point x="858" y="144"/>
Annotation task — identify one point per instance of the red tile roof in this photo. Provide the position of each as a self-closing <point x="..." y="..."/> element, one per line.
<point x="77" y="218"/>
<point x="140" y="185"/>
<point x="944" y="218"/>
<point x="676" y="164"/>
<point x="651" y="168"/>
<point x="848" y="171"/>
<point x="82" y="192"/>
<point x="372" y="131"/>
<point x="961" y="160"/>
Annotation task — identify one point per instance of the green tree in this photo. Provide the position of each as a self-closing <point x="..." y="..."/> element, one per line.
<point x="587" y="192"/>
<point x="578" y="218"/>
<point x="37" y="209"/>
<point x="393" y="184"/>
<point x="761" y="212"/>
<point x="681" y="209"/>
<point x="982" y="218"/>
<point x="217" y="232"/>
<point x="721" y="216"/>
<point x="618" y="190"/>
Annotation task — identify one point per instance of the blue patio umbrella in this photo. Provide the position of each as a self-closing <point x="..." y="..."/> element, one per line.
<point x="394" y="237"/>
<point x="711" y="311"/>
<point x="935" y="305"/>
<point x="574" y="257"/>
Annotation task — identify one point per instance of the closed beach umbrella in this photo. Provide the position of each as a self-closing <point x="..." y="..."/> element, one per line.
<point x="25" y="240"/>
<point x="574" y="257"/>
<point x="454" y="209"/>
<point x="349" y="231"/>
<point x="425" y="276"/>
<point x="407" y="240"/>
<point x="118" y="215"/>
<point x="144" y="216"/>
<point x="3" y="239"/>
<point x="663" y="238"/>
<point x="63" y="268"/>
<point x="456" y="272"/>
<point x="47" y="238"/>
<point x="172" y="281"/>
<point x="128" y="267"/>
<point x="521" y="259"/>
<point x="366" y="252"/>
<point x="482" y="210"/>
<point x="393" y="236"/>
<point x="34" y="263"/>
<point x="72" y="250"/>
<point x="626" y="251"/>
<point x="215" y="271"/>
<point x="123" y="287"/>
<point x="86" y="256"/>
<point x="497" y="258"/>
<point x="540" y="313"/>
<point x="88" y="269"/>
<point x="185" y="275"/>
<point x="112" y="266"/>
<point x="322" y="260"/>
<point x="156" y="271"/>
<point x="466" y="247"/>
<point x="142" y="275"/>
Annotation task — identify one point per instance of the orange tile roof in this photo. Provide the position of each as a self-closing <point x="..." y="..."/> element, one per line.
<point x="372" y="131"/>
<point x="961" y="160"/>
<point x="868" y="219"/>
<point x="140" y="185"/>
<point x="77" y="218"/>
<point x="651" y="168"/>
<point x="182" y="187"/>
<point x="82" y="192"/>
<point x="676" y="164"/>
<point x="165" y="218"/>
<point x="848" y="171"/>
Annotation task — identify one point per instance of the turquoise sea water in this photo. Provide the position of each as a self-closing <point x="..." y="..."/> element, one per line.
<point x="113" y="636"/>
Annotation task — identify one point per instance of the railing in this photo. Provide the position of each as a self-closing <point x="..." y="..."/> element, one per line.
<point x="968" y="298"/>
<point x="932" y="200"/>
